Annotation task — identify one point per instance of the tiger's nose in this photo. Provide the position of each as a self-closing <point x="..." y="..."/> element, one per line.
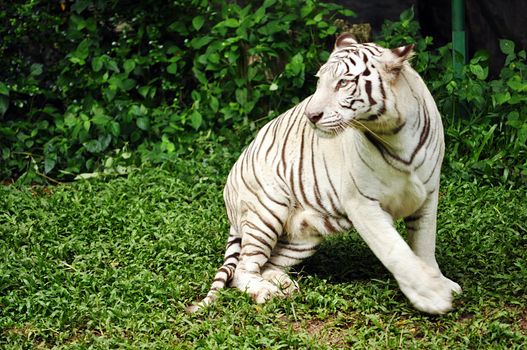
<point x="314" y="116"/>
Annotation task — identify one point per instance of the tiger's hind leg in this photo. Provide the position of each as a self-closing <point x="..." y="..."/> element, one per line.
<point x="259" y="237"/>
<point x="288" y="253"/>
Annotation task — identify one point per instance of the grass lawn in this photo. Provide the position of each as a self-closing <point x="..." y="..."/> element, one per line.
<point x="112" y="263"/>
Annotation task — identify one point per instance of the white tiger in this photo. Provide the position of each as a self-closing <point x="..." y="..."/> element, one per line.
<point x="365" y="149"/>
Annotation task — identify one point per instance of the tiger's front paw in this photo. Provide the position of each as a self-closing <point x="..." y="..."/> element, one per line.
<point x="433" y="293"/>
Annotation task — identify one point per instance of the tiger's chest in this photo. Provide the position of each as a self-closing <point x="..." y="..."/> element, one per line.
<point x="396" y="185"/>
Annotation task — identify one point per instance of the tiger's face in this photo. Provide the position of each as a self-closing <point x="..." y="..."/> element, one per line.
<point x="355" y="88"/>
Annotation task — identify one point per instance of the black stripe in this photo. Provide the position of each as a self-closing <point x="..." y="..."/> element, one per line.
<point x="433" y="169"/>
<point x="259" y="239"/>
<point x="358" y="189"/>
<point x="382" y="151"/>
<point x="300" y="250"/>
<point x="220" y="279"/>
<point x="279" y="254"/>
<point x="257" y="228"/>
<point x="286" y="137"/>
<point x="233" y="255"/>
<point x="368" y="92"/>
<point x="237" y="240"/>
<point x="255" y="254"/>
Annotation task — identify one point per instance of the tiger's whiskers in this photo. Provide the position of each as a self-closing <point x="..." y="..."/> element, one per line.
<point x="377" y="136"/>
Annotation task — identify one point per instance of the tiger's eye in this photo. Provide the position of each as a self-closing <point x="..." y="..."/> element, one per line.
<point x="343" y="83"/>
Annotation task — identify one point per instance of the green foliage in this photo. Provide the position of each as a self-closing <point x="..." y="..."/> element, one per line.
<point x="100" y="76"/>
<point x="95" y="80"/>
<point x="485" y="119"/>
<point x="112" y="263"/>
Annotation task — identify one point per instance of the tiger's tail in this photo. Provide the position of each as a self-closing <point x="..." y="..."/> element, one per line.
<point x="224" y="275"/>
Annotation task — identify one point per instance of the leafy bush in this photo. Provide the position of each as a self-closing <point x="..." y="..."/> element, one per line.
<point x="149" y="76"/>
<point x="99" y="85"/>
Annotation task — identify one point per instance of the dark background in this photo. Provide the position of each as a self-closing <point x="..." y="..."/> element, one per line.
<point x="486" y="21"/>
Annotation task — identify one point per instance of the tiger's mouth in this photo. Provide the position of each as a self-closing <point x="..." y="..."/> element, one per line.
<point x="327" y="132"/>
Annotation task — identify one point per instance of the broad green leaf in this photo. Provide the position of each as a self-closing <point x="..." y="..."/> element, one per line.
<point x="143" y="90"/>
<point x="97" y="63"/>
<point x="214" y="58"/>
<point x="197" y="22"/>
<point x="49" y="162"/>
<point x="200" y="76"/>
<point x="115" y="81"/>
<point x="231" y="23"/>
<point x="70" y="120"/>
<point x="198" y="43"/>
<point x="522" y="134"/>
<point x="196" y="119"/>
<point x="101" y="119"/>
<point x="480" y="72"/>
<point x="269" y="3"/>
<point x="179" y="27"/>
<point x="4" y="104"/>
<point x="507" y="46"/>
<point x="295" y="66"/>
<point x="214" y="104"/>
<point x="258" y="15"/>
<point x="4" y="90"/>
<point x="36" y="69"/>
<point x="501" y="97"/>
<point x="81" y="52"/>
<point x="516" y="83"/>
<point x="172" y="68"/>
<point x="112" y="65"/>
<point x="241" y="96"/>
<point x="307" y="9"/>
<point x="513" y="119"/>
<point x="129" y="65"/>
<point x="347" y="13"/>
<point x="104" y="141"/>
<point x="143" y="123"/>
<point x="115" y="128"/>
<point x="109" y="93"/>
<point x="127" y="84"/>
<point x="407" y="15"/>
<point x="6" y="153"/>
<point x="93" y="146"/>
<point x="80" y="5"/>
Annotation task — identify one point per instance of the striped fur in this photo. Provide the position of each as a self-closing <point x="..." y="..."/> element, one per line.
<point x="363" y="150"/>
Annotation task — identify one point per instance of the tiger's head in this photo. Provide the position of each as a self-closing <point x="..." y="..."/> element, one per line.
<point x="355" y="88"/>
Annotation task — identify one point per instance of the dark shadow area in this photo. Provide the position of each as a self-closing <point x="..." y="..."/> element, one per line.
<point x="343" y="258"/>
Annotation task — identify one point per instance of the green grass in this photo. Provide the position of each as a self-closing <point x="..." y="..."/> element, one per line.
<point x="112" y="263"/>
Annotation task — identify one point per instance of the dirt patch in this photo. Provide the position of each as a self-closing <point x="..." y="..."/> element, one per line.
<point x="523" y="321"/>
<point x="25" y="331"/>
<point x="312" y="327"/>
<point x="466" y="316"/>
<point x="325" y="331"/>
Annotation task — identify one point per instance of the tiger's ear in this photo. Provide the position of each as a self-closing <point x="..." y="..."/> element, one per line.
<point x="345" y="40"/>
<point x="400" y="56"/>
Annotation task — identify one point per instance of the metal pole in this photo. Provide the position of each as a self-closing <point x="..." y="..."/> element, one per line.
<point x="459" y="45"/>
